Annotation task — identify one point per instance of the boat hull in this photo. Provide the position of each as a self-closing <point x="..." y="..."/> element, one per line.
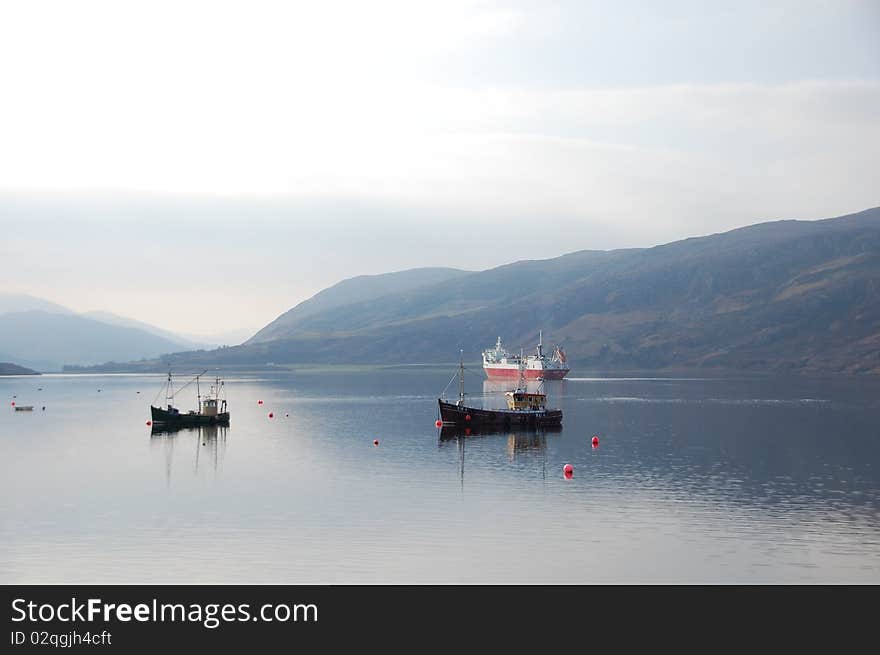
<point x="512" y="373"/>
<point x="165" y="417"/>
<point x="461" y="417"/>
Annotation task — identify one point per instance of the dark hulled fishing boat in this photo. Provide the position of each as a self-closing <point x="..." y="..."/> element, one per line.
<point x="211" y="409"/>
<point x="524" y="410"/>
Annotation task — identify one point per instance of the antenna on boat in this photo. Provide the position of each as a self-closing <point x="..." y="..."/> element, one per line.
<point x="199" y="394"/>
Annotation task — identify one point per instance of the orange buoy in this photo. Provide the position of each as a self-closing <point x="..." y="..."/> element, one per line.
<point x="595" y="441"/>
<point x="375" y="442"/>
<point x="438" y="422"/>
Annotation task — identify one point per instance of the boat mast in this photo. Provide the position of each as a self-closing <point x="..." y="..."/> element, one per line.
<point x="461" y="377"/>
<point x="540" y="344"/>
<point x="217" y="394"/>
<point x="199" y="394"/>
<point x="169" y="390"/>
<point x="522" y="371"/>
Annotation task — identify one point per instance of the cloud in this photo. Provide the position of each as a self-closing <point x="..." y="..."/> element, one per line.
<point x="271" y="127"/>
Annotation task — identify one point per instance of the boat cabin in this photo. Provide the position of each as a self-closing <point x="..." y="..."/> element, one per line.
<point x="209" y="407"/>
<point x="524" y="400"/>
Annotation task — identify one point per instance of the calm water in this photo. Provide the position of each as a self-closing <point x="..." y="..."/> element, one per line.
<point x="693" y="481"/>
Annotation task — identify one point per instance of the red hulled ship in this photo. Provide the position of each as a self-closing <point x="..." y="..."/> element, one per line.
<point x="498" y="363"/>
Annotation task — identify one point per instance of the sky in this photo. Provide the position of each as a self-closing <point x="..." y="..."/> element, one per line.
<point x="204" y="166"/>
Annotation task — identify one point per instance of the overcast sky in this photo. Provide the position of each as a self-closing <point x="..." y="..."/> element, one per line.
<point x="204" y="166"/>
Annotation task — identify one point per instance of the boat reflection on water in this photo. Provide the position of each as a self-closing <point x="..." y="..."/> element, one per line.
<point x="528" y="443"/>
<point x="210" y="444"/>
<point x="520" y="440"/>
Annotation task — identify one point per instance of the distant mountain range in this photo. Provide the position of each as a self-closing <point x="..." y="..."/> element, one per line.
<point x="46" y="336"/>
<point x="20" y="302"/>
<point x="6" y="368"/>
<point x="783" y="296"/>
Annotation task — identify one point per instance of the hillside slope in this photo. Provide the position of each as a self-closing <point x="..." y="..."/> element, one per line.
<point x="47" y="341"/>
<point x="781" y="296"/>
<point x="353" y="291"/>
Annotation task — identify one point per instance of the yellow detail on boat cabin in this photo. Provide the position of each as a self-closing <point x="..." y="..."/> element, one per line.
<point x="524" y="400"/>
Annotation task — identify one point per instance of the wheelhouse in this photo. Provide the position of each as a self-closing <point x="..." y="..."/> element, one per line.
<point x="525" y="400"/>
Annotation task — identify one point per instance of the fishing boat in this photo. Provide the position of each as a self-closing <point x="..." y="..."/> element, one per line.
<point x="24" y="408"/>
<point x="525" y="409"/>
<point x="211" y="408"/>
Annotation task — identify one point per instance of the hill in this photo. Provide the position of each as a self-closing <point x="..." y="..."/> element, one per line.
<point x="353" y="291"/>
<point x="8" y="368"/>
<point x="47" y="341"/>
<point x="183" y="343"/>
<point x="801" y="296"/>
<point x="22" y="302"/>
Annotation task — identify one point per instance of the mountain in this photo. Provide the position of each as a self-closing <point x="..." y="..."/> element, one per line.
<point x="8" y="368"/>
<point x="11" y="303"/>
<point x="782" y="296"/>
<point x="47" y="341"/>
<point x="20" y="302"/>
<point x="356" y="290"/>
<point x="183" y="343"/>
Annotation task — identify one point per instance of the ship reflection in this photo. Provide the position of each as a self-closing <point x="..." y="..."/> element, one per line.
<point x="209" y="447"/>
<point x="517" y="444"/>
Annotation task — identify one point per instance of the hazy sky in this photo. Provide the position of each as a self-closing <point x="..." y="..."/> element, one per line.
<point x="205" y="166"/>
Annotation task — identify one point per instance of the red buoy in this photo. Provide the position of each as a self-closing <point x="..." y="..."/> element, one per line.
<point x="259" y="402"/>
<point x="375" y="442"/>
<point x="12" y="403"/>
<point x="287" y="416"/>
<point x="148" y="422"/>
<point x="467" y="432"/>
<point x="271" y="415"/>
<point x="438" y="422"/>
<point x="568" y="471"/>
<point x="595" y="441"/>
<point x="467" y="417"/>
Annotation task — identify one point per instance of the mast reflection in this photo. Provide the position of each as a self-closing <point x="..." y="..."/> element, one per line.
<point x="517" y="444"/>
<point x="210" y="444"/>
